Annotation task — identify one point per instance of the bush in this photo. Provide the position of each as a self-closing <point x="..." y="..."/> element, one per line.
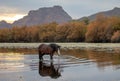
<point x="116" y="37"/>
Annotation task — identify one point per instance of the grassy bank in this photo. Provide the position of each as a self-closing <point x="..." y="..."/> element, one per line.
<point x="109" y="47"/>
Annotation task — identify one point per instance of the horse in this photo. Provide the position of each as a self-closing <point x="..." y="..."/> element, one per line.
<point x="46" y="69"/>
<point x="50" y="49"/>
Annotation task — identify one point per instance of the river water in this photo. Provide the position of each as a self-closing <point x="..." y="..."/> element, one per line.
<point x="72" y="65"/>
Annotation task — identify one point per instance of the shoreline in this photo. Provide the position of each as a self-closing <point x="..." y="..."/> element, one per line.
<point x="107" y="47"/>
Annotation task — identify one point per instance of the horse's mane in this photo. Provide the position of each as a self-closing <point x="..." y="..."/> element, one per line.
<point x="54" y="46"/>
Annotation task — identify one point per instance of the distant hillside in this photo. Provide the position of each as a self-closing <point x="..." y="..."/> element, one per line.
<point x="53" y="14"/>
<point x="4" y="24"/>
<point x="113" y="12"/>
<point x="44" y="15"/>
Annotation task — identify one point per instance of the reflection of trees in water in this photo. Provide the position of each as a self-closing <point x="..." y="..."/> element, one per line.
<point x="102" y="59"/>
<point x="105" y="59"/>
<point x="46" y="69"/>
<point x="19" y="50"/>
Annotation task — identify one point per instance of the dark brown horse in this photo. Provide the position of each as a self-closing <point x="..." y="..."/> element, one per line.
<point x="48" y="49"/>
<point x="48" y="70"/>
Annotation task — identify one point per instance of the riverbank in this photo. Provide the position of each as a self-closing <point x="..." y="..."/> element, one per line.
<point x="108" y="47"/>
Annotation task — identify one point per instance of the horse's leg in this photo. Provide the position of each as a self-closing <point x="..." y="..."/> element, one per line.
<point x="51" y="57"/>
<point x="40" y="56"/>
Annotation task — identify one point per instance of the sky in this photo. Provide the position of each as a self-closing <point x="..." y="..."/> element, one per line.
<point x="11" y="10"/>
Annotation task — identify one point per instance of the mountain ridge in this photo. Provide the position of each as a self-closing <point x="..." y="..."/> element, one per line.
<point x="114" y="12"/>
<point x="53" y="14"/>
<point x="44" y="15"/>
<point x="4" y="24"/>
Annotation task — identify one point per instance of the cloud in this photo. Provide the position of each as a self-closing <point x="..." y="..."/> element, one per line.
<point x="10" y="14"/>
<point x="11" y="17"/>
<point x="5" y="10"/>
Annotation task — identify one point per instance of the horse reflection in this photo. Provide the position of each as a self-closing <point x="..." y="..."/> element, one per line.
<point x="48" y="70"/>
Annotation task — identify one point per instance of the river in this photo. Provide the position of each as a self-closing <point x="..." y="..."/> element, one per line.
<point x="71" y="65"/>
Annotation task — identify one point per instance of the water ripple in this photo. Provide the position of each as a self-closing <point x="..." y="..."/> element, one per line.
<point x="17" y="62"/>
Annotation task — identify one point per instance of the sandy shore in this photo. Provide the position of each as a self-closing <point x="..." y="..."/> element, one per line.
<point x="109" y="47"/>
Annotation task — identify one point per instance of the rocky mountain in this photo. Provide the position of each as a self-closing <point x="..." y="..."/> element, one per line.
<point x="113" y="12"/>
<point x="53" y="14"/>
<point x="4" y="24"/>
<point x="44" y="15"/>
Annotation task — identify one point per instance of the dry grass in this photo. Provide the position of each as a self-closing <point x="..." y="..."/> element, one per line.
<point x="109" y="47"/>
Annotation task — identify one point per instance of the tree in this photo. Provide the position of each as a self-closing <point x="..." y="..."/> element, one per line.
<point x="62" y="32"/>
<point x="100" y="30"/>
<point x="5" y="35"/>
<point x="77" y="31"/>
<point x="116" y="37"/>
<point x="48" y="32"/>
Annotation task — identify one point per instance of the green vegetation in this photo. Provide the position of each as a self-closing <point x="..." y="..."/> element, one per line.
<point x="103" y="29"/>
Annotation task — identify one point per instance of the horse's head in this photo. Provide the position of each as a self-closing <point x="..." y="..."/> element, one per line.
<point x="56" y="48"/>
